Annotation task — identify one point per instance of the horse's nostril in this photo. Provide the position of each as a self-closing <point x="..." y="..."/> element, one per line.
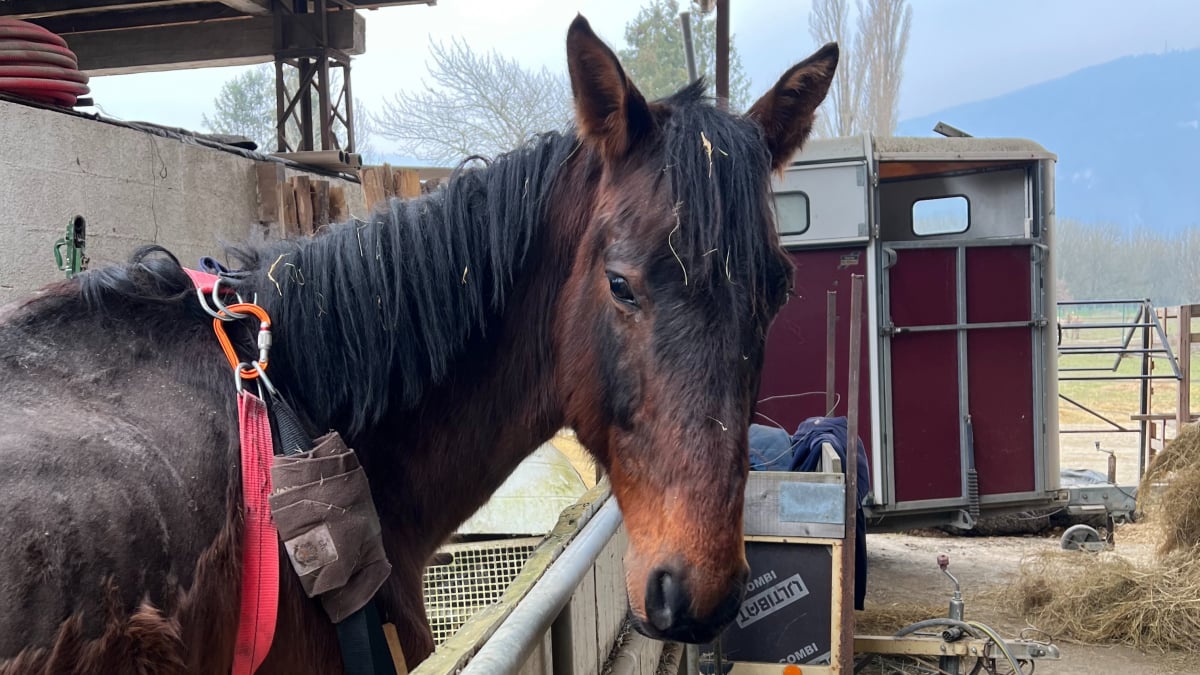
<point x="666" y="600"/>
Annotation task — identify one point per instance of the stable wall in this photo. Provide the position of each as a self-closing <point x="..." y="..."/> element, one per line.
<point x="132" y="187"/>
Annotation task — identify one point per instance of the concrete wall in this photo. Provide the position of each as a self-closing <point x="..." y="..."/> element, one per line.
<point x="133" y="188"/>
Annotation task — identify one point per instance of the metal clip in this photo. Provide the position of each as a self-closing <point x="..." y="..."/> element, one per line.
<point x="221" y="311"/>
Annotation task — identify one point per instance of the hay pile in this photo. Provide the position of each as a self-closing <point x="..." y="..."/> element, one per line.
<point x="886" y="619"/>
<point x="1107" y="598"/>
<point x="1169" y="495"/>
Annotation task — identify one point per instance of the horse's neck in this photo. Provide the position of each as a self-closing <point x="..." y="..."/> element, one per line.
<point x="435" y="461"/>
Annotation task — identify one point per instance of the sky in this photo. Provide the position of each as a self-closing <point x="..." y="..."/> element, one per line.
<point x="959" y="50"/>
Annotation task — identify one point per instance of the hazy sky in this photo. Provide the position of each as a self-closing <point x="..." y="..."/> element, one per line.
<point x="959" y="50"/>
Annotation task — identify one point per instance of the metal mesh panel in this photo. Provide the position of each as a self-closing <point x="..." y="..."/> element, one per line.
<point x="476" y="576"/>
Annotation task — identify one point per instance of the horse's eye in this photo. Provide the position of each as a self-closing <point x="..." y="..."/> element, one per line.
<point x="620" y="289"/>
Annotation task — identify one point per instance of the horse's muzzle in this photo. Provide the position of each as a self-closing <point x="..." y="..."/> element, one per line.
<point x="669" y="614"/>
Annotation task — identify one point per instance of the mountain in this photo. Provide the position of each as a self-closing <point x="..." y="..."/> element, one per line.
<point x="1126" y="132"/>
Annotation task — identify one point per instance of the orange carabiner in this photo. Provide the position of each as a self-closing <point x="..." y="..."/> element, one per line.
<point x="264" y="337"/>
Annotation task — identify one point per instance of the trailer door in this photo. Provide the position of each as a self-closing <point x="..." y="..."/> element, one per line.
<point x="962" y="324"/>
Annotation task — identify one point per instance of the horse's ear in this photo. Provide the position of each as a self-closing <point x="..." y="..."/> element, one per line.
<point x="786" y="113"/>
<point x="609" y="111"/>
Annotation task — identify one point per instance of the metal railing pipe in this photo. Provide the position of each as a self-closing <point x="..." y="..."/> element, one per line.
<point x="512" y="643"/>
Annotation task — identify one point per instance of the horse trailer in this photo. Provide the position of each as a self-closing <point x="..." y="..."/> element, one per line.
<point x="959" y="391"/>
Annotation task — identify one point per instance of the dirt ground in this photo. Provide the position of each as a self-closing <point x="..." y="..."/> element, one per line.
<point x="903" y="575"/>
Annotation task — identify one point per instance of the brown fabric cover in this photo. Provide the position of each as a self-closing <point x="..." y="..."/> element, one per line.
<point x="327" y="522"/>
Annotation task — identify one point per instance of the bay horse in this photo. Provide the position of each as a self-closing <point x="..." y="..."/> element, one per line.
<point x="617" y="278"/>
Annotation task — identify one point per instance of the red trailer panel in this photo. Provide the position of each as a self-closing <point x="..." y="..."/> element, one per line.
<point x="795" y="354"/>
<point x="1000" y="368"/>
<point x="924" y="376"/>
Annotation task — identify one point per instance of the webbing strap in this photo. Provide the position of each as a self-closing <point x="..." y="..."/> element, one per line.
<point x="260" y="548"/>
<point x="202" y="280"/>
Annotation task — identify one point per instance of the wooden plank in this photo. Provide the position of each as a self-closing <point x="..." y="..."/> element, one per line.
<point x="394" y="648"/>
<point x="1155" y="416"/>
<point x="611" y="601"/>
<point x="254" y="7"/>
<point x="216" y="43"/>
<point x="270" y="175"/>
<point x="288" y="218"/>
<point x="840" y="662"/>
<point x="302" y="188"/>
<point x="28" y="10"/>
<point x="1183" y="408"/>
<point x="830" y="461"/>
<point x="377" y="185"/>
<point x="338" y="211"/>
<point x="744" y="668"/>
<point x="407" y="183"/>
<point x="140" y="18"/>
<point x="541" y="661"/>
<point x="918" y="645"/>
<point x="320" y="205"/>
<point x="585" y="655"/>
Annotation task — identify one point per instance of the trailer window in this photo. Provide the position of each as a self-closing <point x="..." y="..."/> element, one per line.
<point x="941" y="215"/>
<point x="791" y="212"/>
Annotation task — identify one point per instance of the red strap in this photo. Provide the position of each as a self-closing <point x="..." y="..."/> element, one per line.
<point x="260" y="548"/>
<point x="202" y="280"/>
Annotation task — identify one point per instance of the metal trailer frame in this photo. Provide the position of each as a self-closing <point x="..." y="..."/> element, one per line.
<point x="858" y="192"/>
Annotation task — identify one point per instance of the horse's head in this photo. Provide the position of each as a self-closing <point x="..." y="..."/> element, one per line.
<point x="663" y="322"/>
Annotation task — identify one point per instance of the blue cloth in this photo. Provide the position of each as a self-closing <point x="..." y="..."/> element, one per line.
<point x="814" y="431"/>
<point x="771" y="449"/>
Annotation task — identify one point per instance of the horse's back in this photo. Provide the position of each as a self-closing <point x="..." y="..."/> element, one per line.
<point x="109" y="461"/>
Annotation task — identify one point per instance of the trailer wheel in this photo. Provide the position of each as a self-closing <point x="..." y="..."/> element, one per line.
<point x="1078" y="537"/>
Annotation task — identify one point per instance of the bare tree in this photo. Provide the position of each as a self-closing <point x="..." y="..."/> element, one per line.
<point x="475" y="104"/>
<point x="883" y="40"/>
<point x="828" y="23"/>
<point x="866" y="91"/>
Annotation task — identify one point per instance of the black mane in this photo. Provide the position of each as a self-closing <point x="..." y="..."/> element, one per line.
<point x="718" y="168"/>
<point x="377" y="310"/>
<point x="371" y="313"/>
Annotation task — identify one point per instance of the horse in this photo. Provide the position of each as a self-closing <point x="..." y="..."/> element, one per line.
<point x="617" y="278"/>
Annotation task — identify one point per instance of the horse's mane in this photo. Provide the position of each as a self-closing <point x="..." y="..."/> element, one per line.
<point x="377" y="310"/>
<point x="719" y="168"/>
<point x="373" y="312"/>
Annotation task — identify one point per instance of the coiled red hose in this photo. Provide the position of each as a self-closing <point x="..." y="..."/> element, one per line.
<point x="38" y="65"/>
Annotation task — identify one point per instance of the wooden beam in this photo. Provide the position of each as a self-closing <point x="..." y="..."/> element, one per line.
<point x="43" y="8"/>
<point x="217" y="43"/>
<point x="1183" y="409"/>
<point x="253" y="7"/>
<point x="289" y="219"/>
<point x="338" y="209"/>
<point x="304" y="206"/>
<point x="320" y="205"/>
<point x="134" y="18"/>
<point x="270" y="206"/>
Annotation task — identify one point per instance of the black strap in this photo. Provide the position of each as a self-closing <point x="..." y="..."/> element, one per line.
<point x="363" y="644"/>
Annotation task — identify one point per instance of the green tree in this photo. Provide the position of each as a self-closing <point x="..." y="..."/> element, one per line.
<point x="246" y="107"/>
<point x="656" y="58"/>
